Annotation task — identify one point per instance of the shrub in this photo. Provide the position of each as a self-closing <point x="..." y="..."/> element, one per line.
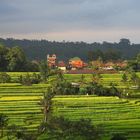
<point x="4" y="77"/>
<point x="25" y="80"/>
<point x="82" y="91"/>
<point x="60" y="128"/>
<point x="65" y="88"/>
<point x="97" y="89"/>
<point x="118" y="137"/>
<point x="36" y="78"/>
<point x="29" y="79"/>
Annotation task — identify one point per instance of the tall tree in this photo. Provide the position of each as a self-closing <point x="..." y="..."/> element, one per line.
<point x="124" y="78"/>
<point x="135" y="79"/>
<point x="17" y="59"/>
<point x="60" y="128"/>
<point x="3" y="58"/>
<point x="47" y="101"/>
<point x="44" y="70"/>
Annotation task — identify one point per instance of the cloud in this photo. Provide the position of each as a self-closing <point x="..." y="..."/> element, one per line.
<point x="50" y="16"/>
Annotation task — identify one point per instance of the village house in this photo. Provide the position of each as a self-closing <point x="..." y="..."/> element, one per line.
<point x="76" y="63"/>
<point x="51" y="59"/>
<point x="121" y="64"/>
<point x="108" y="66"/>
<point x="97" y="64"/>
<point x="111" y="65"/>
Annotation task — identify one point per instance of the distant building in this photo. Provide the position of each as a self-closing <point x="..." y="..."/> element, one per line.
<point x="111" y="65"/>
<point x="108" y="66"/>
<point x="97" y="64"/>
<point x="76" y="63"/>
<point x="121" y="64"/>
<point x="51" y="59"/>
<point x="61" y="65"/>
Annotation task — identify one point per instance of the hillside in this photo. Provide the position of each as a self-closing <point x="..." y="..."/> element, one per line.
<point x="37" y="49"/>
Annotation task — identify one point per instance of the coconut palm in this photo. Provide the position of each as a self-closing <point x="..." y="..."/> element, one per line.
<point x="46" y="102"/>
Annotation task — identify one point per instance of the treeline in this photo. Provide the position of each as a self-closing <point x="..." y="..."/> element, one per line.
<point x="14" y="59"/>
<point x="107" y="55"/>
<point x="38" y="49"/>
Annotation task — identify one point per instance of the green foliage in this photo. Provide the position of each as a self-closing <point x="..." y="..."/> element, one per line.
<point x="46" y="102"/>
<point x="109" y="54"/>
<point x="3" y="123"/>
<point x="65" y="88"/>
<point x="29" y="79"/>
<point x="31" y="66"/>
<point x="97" y="89"/>
<point x="118" y="137"/>
<point x="60" y="75"/>
<point x="4" y="77"/>
<point x="25" y="80"/>
<point x="124" y="78"/>
<point x="18" y="132"/>
<point x="60" y="128"/>
<point x="44" y="70"/>
<point x="17" y="59"/>
<point x="14" y="59"/>
<point x="135" y="79"/>
<point x="36" y="78"/>
<point x="96" y="77"/>
<point x="38" y="48"/>
<point x="135" y="63"/>
<point x="3" y="58"/>
<point x="82" y="79"/>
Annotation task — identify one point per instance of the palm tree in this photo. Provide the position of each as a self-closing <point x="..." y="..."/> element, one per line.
<point x="124" y="78"/>
<point x="46" y="102"/>
<point x="60" y="75"/>
<point x="134" y="78"/>
<point x="44" y="70"/>
<point x="96" y="78"/>
<point x="3" y="123"/>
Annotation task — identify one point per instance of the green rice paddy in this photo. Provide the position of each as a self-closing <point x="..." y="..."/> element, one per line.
<point x="20" y="104"/>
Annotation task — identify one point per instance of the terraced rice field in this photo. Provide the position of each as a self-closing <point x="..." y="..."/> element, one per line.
<point x="20" y="103"/>
<point x="114" y="114"/>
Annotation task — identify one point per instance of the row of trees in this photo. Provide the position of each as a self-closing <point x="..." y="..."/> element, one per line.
<point x="110" y="54"/>
<point x="131" y="80"/>
<point x="37" y="49"/>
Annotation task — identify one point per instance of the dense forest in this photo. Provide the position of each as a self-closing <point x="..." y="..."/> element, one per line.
<point x="38" y="49"/>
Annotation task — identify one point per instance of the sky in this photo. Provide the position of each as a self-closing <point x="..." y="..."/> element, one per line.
<point x="71" y="20"/>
